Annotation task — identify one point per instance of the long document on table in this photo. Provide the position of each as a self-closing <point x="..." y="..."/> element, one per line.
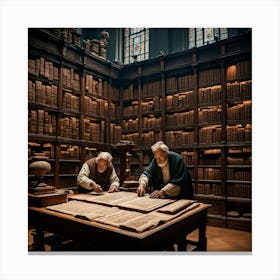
<point x="126" y="200"/>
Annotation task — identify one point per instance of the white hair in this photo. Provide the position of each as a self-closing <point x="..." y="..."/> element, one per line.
<point x="105" y="156"/>
<point x="160" y="146"/>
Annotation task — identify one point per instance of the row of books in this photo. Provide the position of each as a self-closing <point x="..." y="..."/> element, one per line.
<point x="239" y="190"/>
<point x="179" y="138"/>
<point x="96" y="47"/>
<point x="151" y="123"/>
<point x="242" y="112"/>
<point x="152" y="105"/>
<point x="94" y="131"/>
<point x="93" y="85"/>
<point x="129" y="93"/>
<point x="180" y="100"/>
<point x="207" y="95"/>
<point x="70" y="152"/>
<point x="41" y="122"/>
<point x="43" y="68"/>
<point x="209" y="189"/>
<point x="181" y="83"/>
<point x="131" y="124"/>
<point x="151" y="137"/>
<point x="70" y="102"/>
<point x="131" y="110"/>
<point x="210" y="77"/>
<point x="240" y="70"/>
<point x="242" y="175"/>
<point x="36" y="150"/>
<point x="71" y="78"/>
<point x="239" y="160"/>
<point x="96" y="106"/>
<point x="180" y="119"/>
<point x="238" y="133"/>
<point x="239" y="90"/>
<point x="70" y="127"/>
<point x="69" y="34"/>
<point x="185" y="82"/>
<point x="114" y="111"/>
<point x="114" y="92"/>
<point x="151" y="89"/>
<point x="240" y="150"/>
<point x="210" y="160"/>
<point x="207" y="135"/>
<point x="211" y="152"/>
<point x="210" y="134"/>
<point x="42" y="94"/>
<point x="116" y="133"/>
<point x="210" y="115"/>
<point x="210" y="95"/>
<point x="209" y="173"/>
<point x="132" y="137"/>
<point x="188" y="157"/>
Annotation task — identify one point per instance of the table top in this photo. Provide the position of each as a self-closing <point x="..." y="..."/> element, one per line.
<point x="43" y="210"/>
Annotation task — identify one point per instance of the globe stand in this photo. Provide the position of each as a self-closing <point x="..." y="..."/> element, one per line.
<point x="37" y="186"/>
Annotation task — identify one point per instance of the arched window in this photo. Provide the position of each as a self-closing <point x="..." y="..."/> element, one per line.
<point x="198" y="37"/>
<point x="136" y="44"/>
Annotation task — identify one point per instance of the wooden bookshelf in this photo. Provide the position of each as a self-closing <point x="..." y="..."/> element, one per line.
<point x="205" y="115"/>
<point x="73" y="102"/>
<point x="198" y="101"/>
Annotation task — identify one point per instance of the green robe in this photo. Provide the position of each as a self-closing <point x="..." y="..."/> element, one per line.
<point x="179" y="175"/>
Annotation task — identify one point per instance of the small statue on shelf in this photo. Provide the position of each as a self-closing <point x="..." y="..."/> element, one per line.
<point x="103" y="43"/>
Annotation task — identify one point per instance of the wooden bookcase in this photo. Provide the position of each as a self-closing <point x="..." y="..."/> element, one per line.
<point x="197" y="101"/>
<point x="73" y="103"/>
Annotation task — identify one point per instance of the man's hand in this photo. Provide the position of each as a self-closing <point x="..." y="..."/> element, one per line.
<point x="141" y="190"/>
<point x="157" y="194"/>
<point x="113" y="188"/>
<point x="96" y="187"/>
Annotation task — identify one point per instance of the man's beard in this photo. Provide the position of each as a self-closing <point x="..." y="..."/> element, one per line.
<point x="101" y="171"/>
<point x="162" y="164"/>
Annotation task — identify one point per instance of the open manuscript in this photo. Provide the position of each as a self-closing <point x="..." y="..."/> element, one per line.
<point x="126" y="200"/>
<point x="133" y="213"/>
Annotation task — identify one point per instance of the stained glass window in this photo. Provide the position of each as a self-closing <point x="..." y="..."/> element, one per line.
<point x="136" y="44"/>
<point x="198" y="37"/>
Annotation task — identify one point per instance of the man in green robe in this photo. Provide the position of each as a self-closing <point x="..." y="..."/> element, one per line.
<point x="166" y="174"/>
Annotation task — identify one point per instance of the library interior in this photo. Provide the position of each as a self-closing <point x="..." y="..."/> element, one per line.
<point x="139" y="139"/>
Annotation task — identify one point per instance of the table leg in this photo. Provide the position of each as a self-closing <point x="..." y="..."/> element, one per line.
<point x="38" y="240"/>
<point x="202" y="240"/>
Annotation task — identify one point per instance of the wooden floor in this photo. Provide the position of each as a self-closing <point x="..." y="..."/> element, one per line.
<point x="218" y="240"/>
<point x="225" y="239"/>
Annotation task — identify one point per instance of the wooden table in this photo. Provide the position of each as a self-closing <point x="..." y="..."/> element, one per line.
<point x="94" y="236"/>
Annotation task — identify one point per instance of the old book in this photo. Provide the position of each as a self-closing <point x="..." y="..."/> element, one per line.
<point x="176" y="206"/>
<point x="141" y="223"/>
<point x="110" y="199"/>
<point x="144" y="203"/>
<point x="83" y="210"/>
<point x="41" y="190"/>
<point x="119" y="217"/>
<point x="167" y="216"/>
<point x="42" y="200"/>
<point x="125" y="200"/>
